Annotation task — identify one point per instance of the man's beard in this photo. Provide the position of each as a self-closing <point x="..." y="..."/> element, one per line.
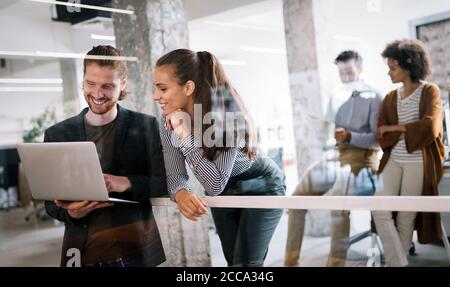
<point x="105" y="108"/>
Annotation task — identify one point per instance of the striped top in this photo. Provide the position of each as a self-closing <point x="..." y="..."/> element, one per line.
<point x="407" y="112"/>
<point x="213" y="175"/>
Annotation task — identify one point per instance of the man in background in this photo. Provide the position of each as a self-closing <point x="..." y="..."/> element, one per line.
<point x="356" y="140"/>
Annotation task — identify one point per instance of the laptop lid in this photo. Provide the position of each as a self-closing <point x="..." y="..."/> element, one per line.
<point x="65" y="170"/>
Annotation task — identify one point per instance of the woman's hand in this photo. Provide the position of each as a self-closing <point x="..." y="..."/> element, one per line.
<point x="180" y="122"/>
<point x="387" y="129"/>
<point x="382" y="130"/>
<point x="79" y="209"/>
<point x="191" y="205"/>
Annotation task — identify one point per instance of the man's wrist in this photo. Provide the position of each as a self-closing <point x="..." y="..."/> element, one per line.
<point x="129" y="186"/>
<point x="349" y="137"/>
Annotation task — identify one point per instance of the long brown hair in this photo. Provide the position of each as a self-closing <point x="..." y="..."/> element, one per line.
<point x="213" y="91"/>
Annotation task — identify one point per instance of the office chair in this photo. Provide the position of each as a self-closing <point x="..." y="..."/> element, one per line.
<point x="26" y="199"/>
<point x="9" y="162"/>
<point x="8" y="180"/>
<point x="364" y="190"/>
<point x="38" y="211"/>
<point x="4" y="205"/>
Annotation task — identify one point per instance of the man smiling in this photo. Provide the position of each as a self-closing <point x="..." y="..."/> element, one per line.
<point x="130" y="153"/>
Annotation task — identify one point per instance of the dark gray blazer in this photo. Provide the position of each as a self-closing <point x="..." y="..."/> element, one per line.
<point x="137" y="154"/>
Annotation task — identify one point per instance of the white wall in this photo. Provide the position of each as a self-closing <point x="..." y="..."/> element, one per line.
<point x="349" y="25"/>
<point x="27" y="26"/>
<point x="263" y="81"/>
<point x="200" y="8"/>
<point x="340" y="24"/>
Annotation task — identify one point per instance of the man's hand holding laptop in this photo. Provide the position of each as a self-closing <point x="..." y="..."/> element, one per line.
<point x="79" y="209"/>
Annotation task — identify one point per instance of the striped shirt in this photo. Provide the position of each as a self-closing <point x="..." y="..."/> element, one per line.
<point x="407" y="112"/>
<point x="213" y="175"/>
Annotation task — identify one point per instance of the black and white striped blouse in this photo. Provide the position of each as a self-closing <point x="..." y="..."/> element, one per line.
<point x="407" y="112"/>
<point x="213" y="175"/>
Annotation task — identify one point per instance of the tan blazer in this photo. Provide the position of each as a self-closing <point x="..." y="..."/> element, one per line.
<point x="426" y="134"/>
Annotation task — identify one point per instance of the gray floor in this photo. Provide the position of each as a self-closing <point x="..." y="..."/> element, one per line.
<point x="32" y="243"/>
<point x="38" y="243"/>
<point x="315" y="249"/>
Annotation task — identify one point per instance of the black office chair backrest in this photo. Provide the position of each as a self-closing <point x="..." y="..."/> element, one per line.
<point x="9" y="163"/>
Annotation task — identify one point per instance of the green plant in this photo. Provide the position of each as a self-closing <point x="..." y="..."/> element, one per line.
<point x="39" y="124"/>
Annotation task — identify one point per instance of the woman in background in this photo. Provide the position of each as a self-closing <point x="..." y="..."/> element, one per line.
<point x="410" y="132"/>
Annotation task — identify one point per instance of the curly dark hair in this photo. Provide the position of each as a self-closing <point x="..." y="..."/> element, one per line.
<point x="411" y="55"/>
<point x="347" y="55"/>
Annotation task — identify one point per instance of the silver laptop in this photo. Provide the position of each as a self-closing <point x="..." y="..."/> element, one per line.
<point x="68" y="171"/>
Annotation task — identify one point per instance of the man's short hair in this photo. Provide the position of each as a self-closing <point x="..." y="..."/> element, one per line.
<point x="119" y="65"/>
<point x="348" y="55"/>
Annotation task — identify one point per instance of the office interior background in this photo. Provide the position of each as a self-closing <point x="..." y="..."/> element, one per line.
<point x="279" y="54"/>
